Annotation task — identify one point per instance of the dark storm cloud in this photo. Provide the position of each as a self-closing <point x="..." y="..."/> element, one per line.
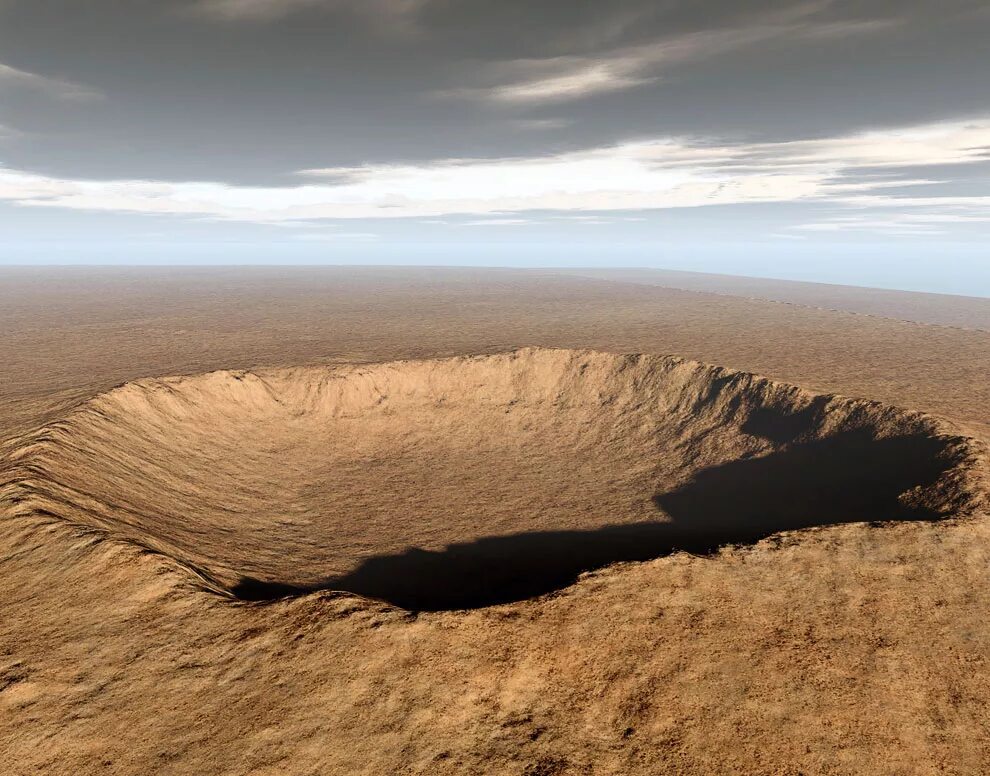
<point x="251" y="91"/>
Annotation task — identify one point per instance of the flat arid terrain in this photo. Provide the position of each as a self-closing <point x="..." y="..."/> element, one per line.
<point x="477" y="521"/>
<point x="961" y="311"/>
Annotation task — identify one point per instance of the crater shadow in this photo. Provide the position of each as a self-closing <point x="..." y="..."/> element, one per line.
<point x="851" y="477"/>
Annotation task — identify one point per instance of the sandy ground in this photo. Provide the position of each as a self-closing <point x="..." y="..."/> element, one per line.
<point x="858" y="648"/>
<point x="964" y="312"/>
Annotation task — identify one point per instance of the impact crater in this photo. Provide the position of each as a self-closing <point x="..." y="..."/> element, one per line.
<point x="470" y="481"/>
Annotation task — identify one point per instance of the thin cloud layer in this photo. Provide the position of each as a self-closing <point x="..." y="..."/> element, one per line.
<point x="267" y="10"/>
<point x="13" y="79"/>
<point x="563" y="78"/>
<point x="654" y="174"/>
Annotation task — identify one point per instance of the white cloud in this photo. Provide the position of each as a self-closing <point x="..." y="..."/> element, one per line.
<point x="650" y="174"/>
<point x="597" y="218"/>
<point x="498" y="222"/>
<point x="541" y="124"/>
<point x="565" y="78"/>
<point x="900" y="223"/>
<point x="585" y="79"/>
<point x="13" y="79"/>
<point x="930" y="144"/>
<point x="573" y="77"/>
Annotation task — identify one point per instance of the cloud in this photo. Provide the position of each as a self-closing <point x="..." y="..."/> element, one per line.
<point x="597" y="218"/>
<point x="498" y="222"/>
<point x="564" y="78"/>
<point x="541" y="124"/>
<point x="380" y="11"/>
<point x="577" y="78"/>
<point x="250" y="9"/>
<point x="923" y="223"/>
<point x="12" y="79"/>
<point x="951" y="142"/>
<point x="572" y="77"/>
<point x="651" y="174"/>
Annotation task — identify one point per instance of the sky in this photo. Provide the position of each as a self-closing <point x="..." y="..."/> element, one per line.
<point x="843" y="141"/>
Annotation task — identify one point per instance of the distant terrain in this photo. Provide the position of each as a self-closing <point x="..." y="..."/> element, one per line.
<point x="967" y="312"/>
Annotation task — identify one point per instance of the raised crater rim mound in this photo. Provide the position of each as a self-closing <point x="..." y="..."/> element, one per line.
<point x="463" y="482"/>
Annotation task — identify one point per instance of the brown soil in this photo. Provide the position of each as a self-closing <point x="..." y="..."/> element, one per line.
<point x="291" y="569"/>
<point x="967" y="312"/>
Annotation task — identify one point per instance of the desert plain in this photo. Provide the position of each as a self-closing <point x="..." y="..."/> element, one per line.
<point x="479" y="521"/>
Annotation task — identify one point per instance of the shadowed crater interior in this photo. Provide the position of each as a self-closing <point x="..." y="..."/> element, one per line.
<point x="848" y="478"/>
<point x="466" y="482"/>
